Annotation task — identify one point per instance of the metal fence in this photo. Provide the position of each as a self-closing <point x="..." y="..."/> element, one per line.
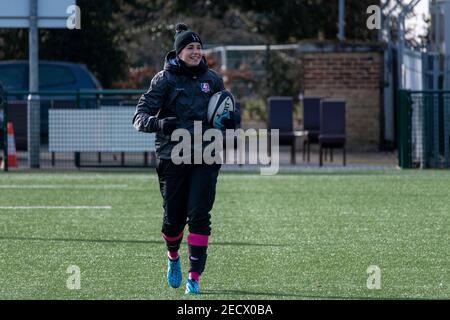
<point x="424" y="129"/>
<point x="78" y="129"/>
<point x="258" y="71"/>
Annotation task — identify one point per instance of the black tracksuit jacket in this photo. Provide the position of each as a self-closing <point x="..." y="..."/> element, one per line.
<point x="175" y="92"/>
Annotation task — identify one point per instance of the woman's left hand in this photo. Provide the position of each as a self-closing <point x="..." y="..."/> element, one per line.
<point x="227" y="121"/>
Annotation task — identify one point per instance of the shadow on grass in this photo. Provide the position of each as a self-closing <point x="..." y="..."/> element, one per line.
<point x="333" y="171"/>
<point x="281" y="295"/>
<point x="251" y="293"/>
<point x="114" y="241"/>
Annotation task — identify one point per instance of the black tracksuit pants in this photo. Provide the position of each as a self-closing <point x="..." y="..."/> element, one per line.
<point x="188" y="192"/>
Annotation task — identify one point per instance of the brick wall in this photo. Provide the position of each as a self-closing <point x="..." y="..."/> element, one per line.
<point x="354" y="77"/>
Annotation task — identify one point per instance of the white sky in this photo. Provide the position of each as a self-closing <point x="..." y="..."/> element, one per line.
<point x="417" y="22"/>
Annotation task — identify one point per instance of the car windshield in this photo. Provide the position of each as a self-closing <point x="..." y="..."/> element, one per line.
<point x="12" y="77"/>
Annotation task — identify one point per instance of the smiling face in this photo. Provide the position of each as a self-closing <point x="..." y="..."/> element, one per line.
<point x="191" y="54"/>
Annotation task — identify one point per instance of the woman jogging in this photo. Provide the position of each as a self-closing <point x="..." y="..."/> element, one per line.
<point x="178" y="96"/>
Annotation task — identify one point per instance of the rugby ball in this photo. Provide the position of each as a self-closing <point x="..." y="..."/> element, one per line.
<point x="220" y="103"/>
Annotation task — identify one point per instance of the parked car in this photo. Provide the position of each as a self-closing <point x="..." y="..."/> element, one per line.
<point x="1" y="93"/>
<point x="53" y="76"/>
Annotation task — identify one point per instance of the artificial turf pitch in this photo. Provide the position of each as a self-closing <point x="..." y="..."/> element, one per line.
<point x="292" y="236"/>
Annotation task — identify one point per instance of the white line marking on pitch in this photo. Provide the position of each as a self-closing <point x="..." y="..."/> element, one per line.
<point x="55" y="207"/>
<point x="55" y="186"/>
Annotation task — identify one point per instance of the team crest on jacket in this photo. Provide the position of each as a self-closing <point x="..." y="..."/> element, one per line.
<point x="205" y="87"/>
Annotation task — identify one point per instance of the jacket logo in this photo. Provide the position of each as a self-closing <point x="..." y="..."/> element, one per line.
<point x="205" y="87"/>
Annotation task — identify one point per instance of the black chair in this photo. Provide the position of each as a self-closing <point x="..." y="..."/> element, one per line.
<point x="311" y="123"/>
<point x="332" y="128"/>
<point x="280" y="112"/>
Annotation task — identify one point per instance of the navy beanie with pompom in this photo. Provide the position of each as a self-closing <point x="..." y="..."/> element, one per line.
<point x="184" y="36"/>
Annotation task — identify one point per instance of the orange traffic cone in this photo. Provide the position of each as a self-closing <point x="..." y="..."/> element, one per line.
<point x="12" y="157"/>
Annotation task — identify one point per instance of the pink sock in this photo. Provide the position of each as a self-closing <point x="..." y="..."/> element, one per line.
<point x="194" y="276"/>
<point x="172" y="255"/>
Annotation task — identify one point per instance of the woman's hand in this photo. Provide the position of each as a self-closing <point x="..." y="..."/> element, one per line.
<point x="168" y="125"/>
<point x="226" y="121"/>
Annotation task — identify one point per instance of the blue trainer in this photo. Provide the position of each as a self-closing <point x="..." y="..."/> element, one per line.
<point x="174" y="275"/>
<point x="192" y="287"/>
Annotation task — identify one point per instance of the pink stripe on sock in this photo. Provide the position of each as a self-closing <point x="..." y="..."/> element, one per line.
<point x="197" y="240"/>
<point x="172" y="238"/>
<point x="194" y="276"/>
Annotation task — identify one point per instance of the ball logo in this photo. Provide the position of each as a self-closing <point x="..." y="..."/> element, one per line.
<point x="227" y="104"/>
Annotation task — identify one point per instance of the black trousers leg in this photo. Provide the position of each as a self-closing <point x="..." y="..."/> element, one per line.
<point x="202" y="193"/>
<point x="174" y="185"/>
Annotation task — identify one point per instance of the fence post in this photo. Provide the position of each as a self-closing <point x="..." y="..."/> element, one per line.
<point x="77" y="154"/>
<point x="78" y="98"/>
<point x="404" y="130"/>
<point x="446" y="101"/>
<point x="436" y="145"/>
<point x="4" y="127"/>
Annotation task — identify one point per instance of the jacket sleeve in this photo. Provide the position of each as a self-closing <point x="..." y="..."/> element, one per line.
<point x="145" y="117"/>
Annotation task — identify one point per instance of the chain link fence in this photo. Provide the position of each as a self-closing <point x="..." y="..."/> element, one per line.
<point x="255" y="72"/>
<point x="424" y="129"/>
